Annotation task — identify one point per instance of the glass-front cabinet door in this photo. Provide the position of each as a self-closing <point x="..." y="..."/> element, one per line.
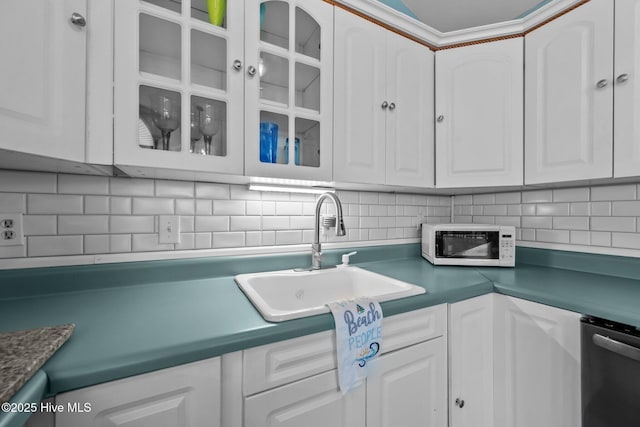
<point x="288" y="89"/>
<point x="179" y="85"/>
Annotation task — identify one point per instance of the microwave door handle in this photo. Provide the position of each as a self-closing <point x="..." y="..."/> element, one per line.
<point x="618" y="347"/>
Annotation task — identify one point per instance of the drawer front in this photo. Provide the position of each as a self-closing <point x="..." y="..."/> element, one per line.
<point x="280" y="363"/>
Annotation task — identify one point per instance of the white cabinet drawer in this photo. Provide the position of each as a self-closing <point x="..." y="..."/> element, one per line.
<point x="280" y="363"/>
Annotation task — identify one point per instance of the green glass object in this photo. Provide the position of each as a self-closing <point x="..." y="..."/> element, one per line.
<point x="217" y="10"/>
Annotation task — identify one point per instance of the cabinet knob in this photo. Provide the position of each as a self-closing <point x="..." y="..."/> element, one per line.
<point x="602" y="83"/>
<point x="622" y="78"/>
<point x="384" y="105"/>
<point x="237" y="65"/>
<point x="440" y="119"/>
<point x="392" y="106"/>
<point x="77" y="19"/>
<point x="251" y="70"/>
<point x="459" y="403"/>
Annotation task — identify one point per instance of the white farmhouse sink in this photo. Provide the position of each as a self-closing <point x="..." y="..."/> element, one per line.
<point x="289" y="294"/>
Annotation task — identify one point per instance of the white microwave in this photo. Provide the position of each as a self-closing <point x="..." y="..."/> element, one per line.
<point x="469" y="244"/>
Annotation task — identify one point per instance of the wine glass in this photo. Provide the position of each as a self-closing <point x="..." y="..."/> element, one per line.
<point x="167" y="115"/>
<point x="209" y="126"/>
<point x="196" y="133"/>
<point x="147" y="115"/>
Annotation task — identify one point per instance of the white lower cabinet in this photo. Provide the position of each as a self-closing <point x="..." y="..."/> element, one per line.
<point x="537" y="365"/>
<point x="183" y="396"/>
<point x="471" y="362"/>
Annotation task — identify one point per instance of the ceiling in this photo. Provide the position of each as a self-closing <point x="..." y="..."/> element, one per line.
<point x="452" y="15"/>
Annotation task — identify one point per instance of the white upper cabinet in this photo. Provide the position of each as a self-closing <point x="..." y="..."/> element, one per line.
<point x="479" y="115"/>
<point x="627" y="89"/>
<point x="288" y="90"/>
<point x="569" y="96"/>
<point x="383" y="94"/>
<point x="43" y="74"/>
<point x="178" y="86"/>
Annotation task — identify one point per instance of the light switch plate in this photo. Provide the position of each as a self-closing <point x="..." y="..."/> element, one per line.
<point x="11" y="231"/>
<point x="169" y="229"/>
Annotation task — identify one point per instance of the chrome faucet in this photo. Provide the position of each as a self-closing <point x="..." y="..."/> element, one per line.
<point x="316" y="249"/>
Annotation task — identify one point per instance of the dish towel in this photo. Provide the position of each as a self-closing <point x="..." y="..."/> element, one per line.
<point x="358" y="339"/>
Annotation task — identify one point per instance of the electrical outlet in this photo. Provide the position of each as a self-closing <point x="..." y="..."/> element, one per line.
<point x="169" y="229"/>
<point x="11" y="233"/>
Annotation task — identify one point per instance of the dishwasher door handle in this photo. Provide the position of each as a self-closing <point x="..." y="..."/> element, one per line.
<point x="621" y="348"/>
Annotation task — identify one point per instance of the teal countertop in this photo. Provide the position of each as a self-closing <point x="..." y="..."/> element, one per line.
<point x="30" y="393"/>
<point x="139" y="317"/>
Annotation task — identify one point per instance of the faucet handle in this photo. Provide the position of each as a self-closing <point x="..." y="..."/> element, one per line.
<point x="345" y="257"/>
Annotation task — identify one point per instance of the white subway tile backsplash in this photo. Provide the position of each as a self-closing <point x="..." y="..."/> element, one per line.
<point x="462" y="219"/>
<point x="288" y="208"/>
<point x="204" y="207"/>
<point x="153" y="206"/>
<point x="538" y="196"/>
<point x="149" y="243"/>
<point x="571" y="195"/>
<point x="484" y="199"/>
<point x="386" y="199"/>
<point x="623" y="224"/>
<point x="96" y="205"/>
<point x="385" y="221"/>
<point x="187" y="241"/>
<point x="131" y="224"/>
<point x="289" y="237"/>
<point x="119" y="243"/>
<point x="483" y="219"/>
<point x="553" y="236"/>
<point x="187" y="224"/>
<point x="96" y="244"/>
<point x="253" y="207"/>
<point x="613" y="192"/>
<point x="626" y="208"/>
<point x="371" y="198"/>
<point x="537" y="222"/>
<point x="369" y="222"/>
<point x="13" y="251"/>
<point x="40" y="225"/>
<point x="269" y="208"/>
<point x="625" y="240"/>
<point x="528" y="234"/>
<point x="571" y="223"/>
<point x="212" y="191"/>
<point x="275" y="223"/>
<point x="600" y="238"/>
<point x="202" y="240"/>
<point x="419" y="200"/>
<point x="513" y="221"/>
<point x="212" y="223"/>
<point x="185" y="207"/>
<point x="347" y="196"/>
<point x="242" y="192"/>
<point x="13" y="203"/>
<point x="495" y="210"/>
<point x="579" y="209"/>
<point x="229" y="207"/>
<point x="27" y="182"/>
<point x="276" y="196"/>
<point x="268" y="238"/>
<point x="120" y="205"/>
<point x="552" y="209"/>
<point x="378" y="210"/>
<point x="253" y="238"/>
<point x="119" y="186"/>
<point x="463" y="200"/>
<point x="377" y="234"/>
<point x="514" y="210"/>
<point x="83" y="224"/>
<point x="83" y="184"/>
<point x="307" y="222"/>
<point x="54" y="245"/>
<point x="528" y="210"/>
<point x="245" y="223"/>
<point x="54" y="204"/>
<point x="227" y="240"/>
<point x="477" y="210"/>
<point x="580" y="238"/>
<point x="509" y="198"/>
<point x="174" y="188"/>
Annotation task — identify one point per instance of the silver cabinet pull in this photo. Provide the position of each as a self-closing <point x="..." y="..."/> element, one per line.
<point x="251" y="70"/>
<point x="622" y="78"/>
<point x="440" y="119"/>
<point x="392" y="106"/>
<point x="602" y="83"/>
<point x="459" y="403"/>
<point x="618" y="347"/>
<point x="384" y="105"/>
<point x="237" y="65"/>
<point x="77" y="19"/>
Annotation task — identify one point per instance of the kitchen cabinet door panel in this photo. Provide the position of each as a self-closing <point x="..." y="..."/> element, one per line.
<point x="627" y="89"/>
<point x="359" y="132"/>
<point x="409" y="387"/>
<point x="479" y="136"/>
<point x="537" y="360"/>
<point x="42" y="107"/>
<point x="410" y="86"/>
<point x="569" y="97"/>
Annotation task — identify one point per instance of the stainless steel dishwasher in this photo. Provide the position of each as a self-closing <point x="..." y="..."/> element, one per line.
<point x="610" y="374"/>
